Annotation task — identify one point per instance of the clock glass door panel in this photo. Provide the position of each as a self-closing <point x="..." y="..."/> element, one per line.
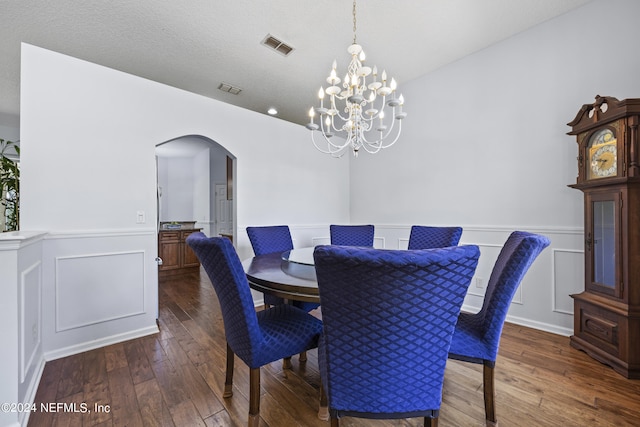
<point x="604" y="240"/>
<point x="602" y="243"/>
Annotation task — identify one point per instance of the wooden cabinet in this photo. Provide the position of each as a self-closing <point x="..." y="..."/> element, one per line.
<point x="177" y="256"/>
<point x="607" y="312"/>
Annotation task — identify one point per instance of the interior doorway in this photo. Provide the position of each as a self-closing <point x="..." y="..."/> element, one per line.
<point x="189" y="170"/>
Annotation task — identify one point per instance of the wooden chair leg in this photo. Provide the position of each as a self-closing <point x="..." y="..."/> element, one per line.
<point x="286" y="363"/>
<point x="489" y="393"/>
<point x="303" y="356"/>
<point x="228" y="381"/>
<point x="323" y="410"/>
<point x="254" y="397"/>
<point x="335" y="422"/>
<point x="430" y="422"/>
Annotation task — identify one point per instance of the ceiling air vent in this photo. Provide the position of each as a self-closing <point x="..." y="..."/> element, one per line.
<point x="277" y="45"/>
<point x="233" y="90"/>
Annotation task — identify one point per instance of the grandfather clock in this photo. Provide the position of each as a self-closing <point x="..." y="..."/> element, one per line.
<point x="607" y="312"/>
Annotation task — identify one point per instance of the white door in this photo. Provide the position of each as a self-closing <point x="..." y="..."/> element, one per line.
<point x="224" y="211"/>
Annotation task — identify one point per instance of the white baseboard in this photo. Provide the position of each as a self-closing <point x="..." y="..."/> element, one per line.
<point x="91" y="345"/>
<point x="547" y="327"/>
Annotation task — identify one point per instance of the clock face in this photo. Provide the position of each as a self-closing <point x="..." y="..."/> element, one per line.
<point x="603" y="155"/>
<point x="604" y="161"/>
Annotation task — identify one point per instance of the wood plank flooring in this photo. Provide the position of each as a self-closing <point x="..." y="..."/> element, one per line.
<point x="175" y="378"/>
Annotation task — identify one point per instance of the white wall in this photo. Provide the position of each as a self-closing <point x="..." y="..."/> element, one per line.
<point x="484" y="146"/>
<point x="9" y="133"/>
<point x="180" y="189"/>
<point x="88" y="167"/>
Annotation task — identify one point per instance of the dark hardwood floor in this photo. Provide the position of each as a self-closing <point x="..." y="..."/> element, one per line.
<point x="175" y="378"/>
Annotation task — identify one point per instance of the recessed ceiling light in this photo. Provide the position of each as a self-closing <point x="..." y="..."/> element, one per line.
<point x="272" y="111"/>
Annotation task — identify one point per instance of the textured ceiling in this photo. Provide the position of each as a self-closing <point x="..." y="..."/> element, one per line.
<point x="197" y="44"/>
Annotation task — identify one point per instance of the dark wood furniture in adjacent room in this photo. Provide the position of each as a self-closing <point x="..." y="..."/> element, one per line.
<point x="177" y="257"/>
<point x="607" y="312"/>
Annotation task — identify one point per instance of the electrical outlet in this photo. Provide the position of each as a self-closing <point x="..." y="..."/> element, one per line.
<point x="479" y="282"/>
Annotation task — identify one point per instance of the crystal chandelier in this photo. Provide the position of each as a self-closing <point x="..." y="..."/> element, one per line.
<point x="363" y="125"/>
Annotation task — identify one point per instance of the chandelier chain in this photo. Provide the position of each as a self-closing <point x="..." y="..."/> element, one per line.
<point x="354" y="21"/>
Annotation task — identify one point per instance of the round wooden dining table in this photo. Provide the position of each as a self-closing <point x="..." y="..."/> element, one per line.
<point x="290" y="275"/>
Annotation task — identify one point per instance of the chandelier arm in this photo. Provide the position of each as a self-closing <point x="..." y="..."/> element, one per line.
<point x="344" y="119"/>
<point x="382" y="137"/>
<point x="396" y="138"/>
<point x="331" y="144"/>
<point x="379" y="143"/>
<point x="373" y="106"/>
<point x="329" y="150"/>
<point x="371" y="148"/>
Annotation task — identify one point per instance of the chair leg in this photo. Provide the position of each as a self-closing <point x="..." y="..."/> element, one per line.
<point x="489" y="392"/>
<point x="323" y="410"/>
<point x="286" y="363"/>
<point x="254" y="397"/>
<point x="335" y="422"/>
<point x="228" y="381"/>
<point x="303" y="356"/>
<point x="430" y="422"/>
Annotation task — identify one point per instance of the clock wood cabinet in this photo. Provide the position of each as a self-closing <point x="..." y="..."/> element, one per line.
<point x="607" y="312"/>
<point x="177" y="256"/>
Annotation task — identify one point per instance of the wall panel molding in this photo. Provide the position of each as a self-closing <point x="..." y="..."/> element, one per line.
<point x="567" y="267"/>
<point x="98" y="287"/>
<point x="30" y="310"/>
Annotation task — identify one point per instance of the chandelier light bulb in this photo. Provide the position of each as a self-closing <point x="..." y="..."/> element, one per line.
<point x="351" y="112"/>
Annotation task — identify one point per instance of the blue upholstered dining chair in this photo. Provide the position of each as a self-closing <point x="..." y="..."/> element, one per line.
<point x="477" y="336"/>
<point x="352" y="235"/>
<point x="270" y="239"/>
<point x="388" y="320"/>
<point x="424" y="237"/>
<point x="256" y="338"/>
<point x="267" y="240"/>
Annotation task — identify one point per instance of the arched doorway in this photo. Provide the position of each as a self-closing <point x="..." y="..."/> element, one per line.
<point x="195" y="176"/>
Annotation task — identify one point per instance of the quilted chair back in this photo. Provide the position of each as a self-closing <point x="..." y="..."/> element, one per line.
<point x="388" y="320"/>
<point x="423" y="237"/>
<point x="352" y="235"/>
<point x="220" y="260"/>
<point x="270" y="239"/>
<point x="513" y="262"/>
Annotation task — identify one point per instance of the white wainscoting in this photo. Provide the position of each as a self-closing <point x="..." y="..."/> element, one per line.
<point x="21" y="356"/>
<point x="100" y="287"/>
<point x="96" y="288"/>
<point x="30" y="309"/>
<point x="543" y="299"/>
